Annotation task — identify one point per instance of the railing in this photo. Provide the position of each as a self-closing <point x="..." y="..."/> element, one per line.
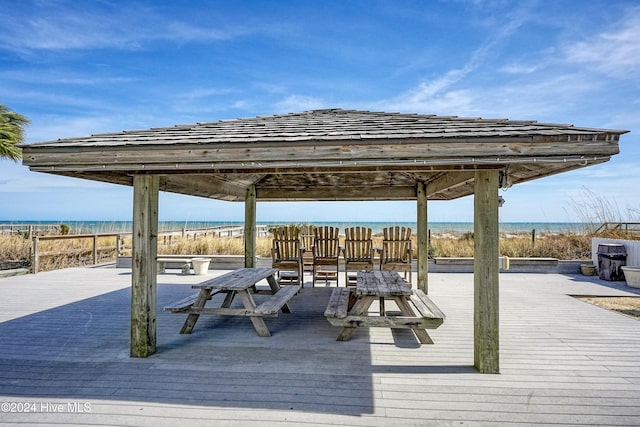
<point x="120" y="246"/>
<point x="625" y="227"/>
<point x="94" y="250"/>
<point x="217" y="231"/>
<point x="29" y="230"/>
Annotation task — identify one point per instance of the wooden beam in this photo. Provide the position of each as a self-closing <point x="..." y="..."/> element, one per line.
<point x="201" y="185"/>
<point x="337" y="193"/>
<point x="384" y="182"/>
<point x="449" y="180"/>
<point x="423" y="238"/>
<point x="71" y="169"/>
<point x="250" y="227"/>
<point x="485" y="267"/>
<point x="143" y="269"/>
<point x="259" y="155"/>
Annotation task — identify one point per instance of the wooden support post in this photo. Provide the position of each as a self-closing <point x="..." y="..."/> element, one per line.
<point x="485" y="267"/>
<point x="423" y="238"/>
<point x="250" y="227"/>
<point x="35" y="256"/>
<point x="143" y="269"/>
<point x="119" y="244"/>
<point x="533" y="238"/>
<point x="95" y="249"/>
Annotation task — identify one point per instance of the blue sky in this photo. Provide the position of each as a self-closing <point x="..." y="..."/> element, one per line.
<point x="79" y="68"/>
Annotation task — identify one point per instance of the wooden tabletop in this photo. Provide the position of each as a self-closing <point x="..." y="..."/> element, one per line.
<point x="240" y="279"/>
<point x="382" y="283"/>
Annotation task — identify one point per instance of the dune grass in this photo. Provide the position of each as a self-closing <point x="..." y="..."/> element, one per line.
<point x="15" y="249"/>
<point x="15" y="252"/>
<point x="561" y="246"/>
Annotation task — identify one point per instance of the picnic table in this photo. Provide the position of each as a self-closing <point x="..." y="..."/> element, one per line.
<point x="242" y="283"/>
<point x="349" y="307"/>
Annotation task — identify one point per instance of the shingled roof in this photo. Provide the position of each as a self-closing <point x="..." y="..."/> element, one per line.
<point x="328" y="154"/>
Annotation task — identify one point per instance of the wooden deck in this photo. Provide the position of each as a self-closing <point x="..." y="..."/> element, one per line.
<point x="65" y="343"/>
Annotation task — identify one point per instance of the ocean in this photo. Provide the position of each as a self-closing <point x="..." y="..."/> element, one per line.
<point x="89" y="227"/>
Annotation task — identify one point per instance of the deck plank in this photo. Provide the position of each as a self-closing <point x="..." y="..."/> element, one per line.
<point x="563" y="361"/>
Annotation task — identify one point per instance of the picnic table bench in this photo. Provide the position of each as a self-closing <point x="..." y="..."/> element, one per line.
<point x="349" y="307"/>
<point x="241" y="283"/>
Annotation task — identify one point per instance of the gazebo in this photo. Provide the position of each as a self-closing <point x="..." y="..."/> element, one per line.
<point x="331" y="154"/>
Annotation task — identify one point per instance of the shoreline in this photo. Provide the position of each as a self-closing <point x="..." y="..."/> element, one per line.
<point x="436" y="228"/>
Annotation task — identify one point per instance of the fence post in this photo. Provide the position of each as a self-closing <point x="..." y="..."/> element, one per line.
<point x="35" y="259"/>
<point x="533" y="238"/>
<point x="95" y="249"/>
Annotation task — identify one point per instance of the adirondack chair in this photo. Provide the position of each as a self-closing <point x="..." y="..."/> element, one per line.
<point x="306" y="243"/>
<point x="358" y="252"/>
<point x="286" y="255"/>
<point x="396" y="252"/>
<point x="325" y="252"/>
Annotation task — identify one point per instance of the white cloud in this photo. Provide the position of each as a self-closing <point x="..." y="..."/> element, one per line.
<point x="16" y="178"/>
<point x="615" y="52"/>
<point x="423" y="100"/>
<point x="614" y="171"/>
<point x="61" y="26"/>
<point x="201" y="100"/>
<point x="51" y="128"/>
<point x="66" y="77"/>
<point x="204" y="92"/>
<point x="518" y="68"/>
<point x="48" y="96"/>
<point x="300" y="103"/>
<point x="435" y="95"/>
<point x="441" y="94"/>
<point x="185" y="32"/>
<point x="241" y="105"/>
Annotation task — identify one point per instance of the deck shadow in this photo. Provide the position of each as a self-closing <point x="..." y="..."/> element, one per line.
<point x="79" y="351"/>
<point x="619" y="285"/>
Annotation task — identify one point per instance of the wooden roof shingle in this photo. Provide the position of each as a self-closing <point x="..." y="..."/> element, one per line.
<point x="389" y="150"/>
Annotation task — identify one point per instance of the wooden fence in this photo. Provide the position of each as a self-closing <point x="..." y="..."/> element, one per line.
<point x="218" y="231"/>
<point x="94" y="249"/>
<point x="120" y="248"/>
<point x="625" y="227"/>
<point x="30" y="230"/>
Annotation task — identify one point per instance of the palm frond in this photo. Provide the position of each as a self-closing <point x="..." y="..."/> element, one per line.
<point x="11" y="133"/>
